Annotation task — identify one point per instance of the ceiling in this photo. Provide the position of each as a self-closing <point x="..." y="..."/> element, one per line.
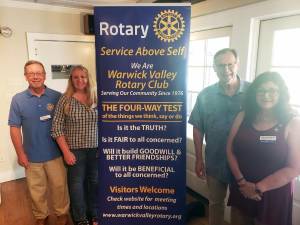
<point x="204" y="6"/>
<point x="88" y="4"/>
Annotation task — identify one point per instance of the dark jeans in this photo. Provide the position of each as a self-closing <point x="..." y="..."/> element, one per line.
<point x="83" y="184"/>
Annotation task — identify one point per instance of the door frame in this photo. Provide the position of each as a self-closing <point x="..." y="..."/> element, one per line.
<point x="33" y="37"/>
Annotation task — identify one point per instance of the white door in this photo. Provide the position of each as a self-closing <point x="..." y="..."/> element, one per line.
<point x="61" y="50"/>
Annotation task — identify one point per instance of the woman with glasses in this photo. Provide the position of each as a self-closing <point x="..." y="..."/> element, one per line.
<point x="263" y="152"/>
<point x="75" y="129"/>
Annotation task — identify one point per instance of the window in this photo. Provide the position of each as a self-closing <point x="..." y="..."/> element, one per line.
<point x="278" y="51"/>
<point x="203" y="46"/>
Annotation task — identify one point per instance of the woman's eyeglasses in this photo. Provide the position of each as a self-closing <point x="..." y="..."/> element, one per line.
<point x="271" y="92"/>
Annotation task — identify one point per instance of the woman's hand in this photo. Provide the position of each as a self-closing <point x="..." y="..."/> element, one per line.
<point x="69" y="158"/>
<point x="248" y="189"/>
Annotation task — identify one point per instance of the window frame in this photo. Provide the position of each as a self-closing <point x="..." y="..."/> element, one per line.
<point x="200" y="35"/>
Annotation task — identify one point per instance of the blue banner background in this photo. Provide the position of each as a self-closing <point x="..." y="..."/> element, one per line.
<point x="123" y="119"/>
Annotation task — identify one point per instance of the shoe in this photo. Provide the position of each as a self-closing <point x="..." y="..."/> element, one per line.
<point x="83" y="222"/>
<point x="94" y="221"/>
<point x="41" y="221"/>
<point x="62" y="220"/>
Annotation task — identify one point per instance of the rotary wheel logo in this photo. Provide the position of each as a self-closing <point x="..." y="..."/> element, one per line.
<point x="168" y="25"/>
<point x="50" y="106"/>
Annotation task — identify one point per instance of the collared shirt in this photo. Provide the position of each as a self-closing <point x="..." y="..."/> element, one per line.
<point x="77" y="122"/>
<point x="34" y="115"/>
<point x="213" y="115"/>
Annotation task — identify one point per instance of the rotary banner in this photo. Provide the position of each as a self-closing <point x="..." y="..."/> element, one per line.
<point x="141" y="58"/>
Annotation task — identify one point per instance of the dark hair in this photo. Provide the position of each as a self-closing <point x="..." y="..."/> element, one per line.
<point x="282" y="109"/>
<point x="224" y="51"/>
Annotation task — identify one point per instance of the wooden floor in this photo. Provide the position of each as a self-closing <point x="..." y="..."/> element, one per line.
<point x="199" y="221"/>
<point x="15" y="204"/>
<point x="15" y="207"/>
<point x="190" y="198"/>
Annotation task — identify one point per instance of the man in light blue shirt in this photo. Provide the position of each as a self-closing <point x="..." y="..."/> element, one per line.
<point x="212" y="117"/>
<point x="32" y="111"/>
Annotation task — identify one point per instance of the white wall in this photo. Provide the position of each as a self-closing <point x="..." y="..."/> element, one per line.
<point x="212" y="6"/>
<point x="22" y="18"/>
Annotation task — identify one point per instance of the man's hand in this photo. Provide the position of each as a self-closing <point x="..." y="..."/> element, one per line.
<point x="69" y="158"/>
<point x="16" y="138"/>
<point x="200" y="169"/>
<point x="23" y="160"/>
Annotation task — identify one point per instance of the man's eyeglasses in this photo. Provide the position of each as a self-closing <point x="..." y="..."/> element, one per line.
<point x="271" y="92"/>
<point x="230" y="66"/>
<point x="37" y="74"/>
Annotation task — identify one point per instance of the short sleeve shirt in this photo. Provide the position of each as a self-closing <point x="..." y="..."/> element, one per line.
<point x="34" y="115"/>
<point x="213" y="115"/>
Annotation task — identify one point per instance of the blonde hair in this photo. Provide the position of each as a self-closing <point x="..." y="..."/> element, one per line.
<point x="91" y="89"/>
<point x="30" y="62"/>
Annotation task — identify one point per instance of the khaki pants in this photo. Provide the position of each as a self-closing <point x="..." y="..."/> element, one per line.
<point x="48" y="176"/>
<point x="217" y="193"/>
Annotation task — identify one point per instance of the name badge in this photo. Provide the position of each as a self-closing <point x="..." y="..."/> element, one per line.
<point x="267" y="139"/>
<point x="46" y="117"/>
